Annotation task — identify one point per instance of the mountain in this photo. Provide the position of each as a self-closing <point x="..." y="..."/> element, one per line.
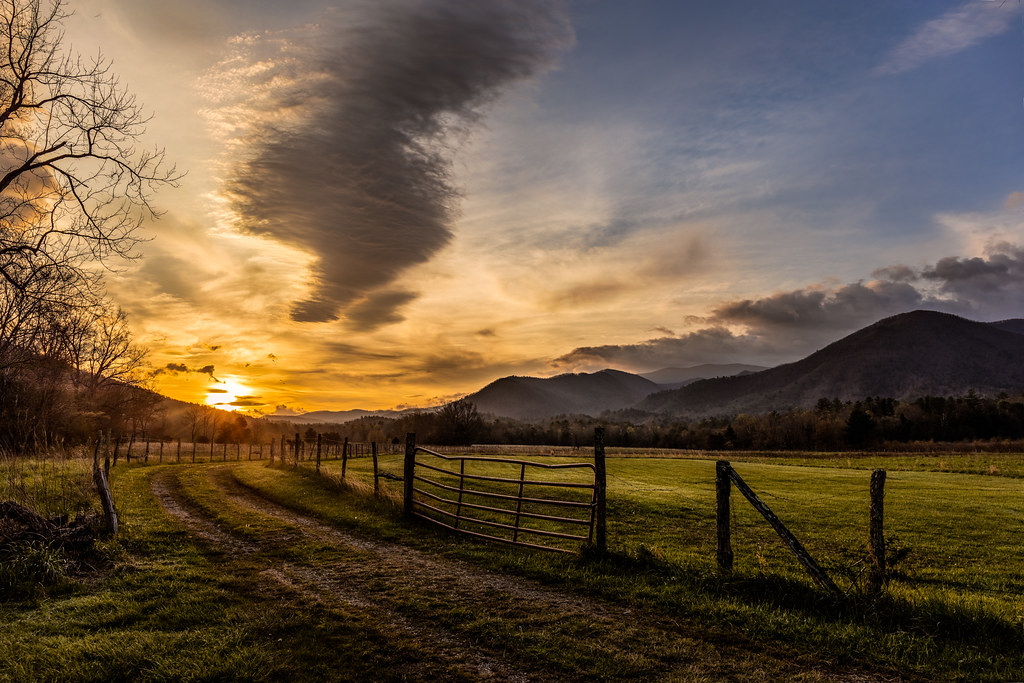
<point x="334" y="416"/>
<point x="1016" y="325"/>
<point x="530" y="398"/>
<point x="905" y="356"/>
<point x="673" y="378"/>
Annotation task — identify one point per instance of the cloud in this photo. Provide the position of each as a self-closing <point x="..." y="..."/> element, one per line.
<point x="378" y="309"/>
<point x="993" y="283"/>
<point x="343" y="132"/>
<point x="286" y="411"/>
<point x="785" y="326"/>
<point x="244" y="403"/>
<point x="847" y="306"/>
<point x="181" y="368"/>
<point x="954" y="31"/>
<point x="709" y="345"/>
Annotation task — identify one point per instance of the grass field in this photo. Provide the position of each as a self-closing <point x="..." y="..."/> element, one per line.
<point x="244" y="585"/>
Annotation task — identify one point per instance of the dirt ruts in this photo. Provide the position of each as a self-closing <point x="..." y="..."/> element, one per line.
<point x="383" y="572"/>
<point x="325" y="586"/>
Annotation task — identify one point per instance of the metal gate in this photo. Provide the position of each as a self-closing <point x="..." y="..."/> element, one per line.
<point x="493" y="498"/>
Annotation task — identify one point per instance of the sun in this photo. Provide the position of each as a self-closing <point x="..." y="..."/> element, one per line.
<point x="229" y="394"/>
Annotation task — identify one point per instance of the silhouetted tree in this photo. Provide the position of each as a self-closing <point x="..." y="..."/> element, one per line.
<point x="458" y="423"/>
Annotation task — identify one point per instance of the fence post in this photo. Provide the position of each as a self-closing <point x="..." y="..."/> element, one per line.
<point x="106" y="499"/>
<point x="876" y="537"/>
<point x="376" y="479"/>
<point x="410" y="471"/>
<point x="161" y="450"/>
<point x="106" y="455"/>
<point x="319" y="443"/>
<point x="297" y="444"/>
<point x="179" y="451"/>
<point x="600" y="490"/>
<point x="117" y="447"/>
<point x="344" y="458"/>
<point x="193" y="450"/>
<point x="146" y="455"/>
<point x="722" y="487"/>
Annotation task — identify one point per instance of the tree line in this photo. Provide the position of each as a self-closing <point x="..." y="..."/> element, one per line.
<point x="832" y="425"/>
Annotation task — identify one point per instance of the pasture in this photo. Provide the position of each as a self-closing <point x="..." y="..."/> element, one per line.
<point x="240" y="570"/>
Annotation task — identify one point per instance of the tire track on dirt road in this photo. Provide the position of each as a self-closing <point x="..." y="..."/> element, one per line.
<point x="326" y="587"/>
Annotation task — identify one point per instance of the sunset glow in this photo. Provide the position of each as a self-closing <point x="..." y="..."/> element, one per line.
<point x="230" y="394"/>
<point x="631" y="185"/>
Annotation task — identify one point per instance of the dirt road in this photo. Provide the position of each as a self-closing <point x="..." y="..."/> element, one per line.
<point x="417" y="597"/>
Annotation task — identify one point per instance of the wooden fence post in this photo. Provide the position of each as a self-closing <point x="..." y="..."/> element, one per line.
<point x="410" y="472"/>
<point x="193" y="451"/>
<point x="179" y="451"/>
<point x="106" y="500"/>
<point x="106" y="455"/>
<point x="600" y="492"/>
<point x="344" y="458"/>
<point x="96" y="452"/>
<point x="722" y="487"/>
<point x="297" y="446"/>
<point x="876" y="537"/>
<point x="319" y="445"/>
<point x="146" y="455"/>
<point x="376" y="478"/>
<point x="117" y="447"/>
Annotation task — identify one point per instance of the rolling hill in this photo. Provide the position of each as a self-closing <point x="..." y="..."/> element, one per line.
<point x="904" y="356"/>
<point x="532" y="398"/>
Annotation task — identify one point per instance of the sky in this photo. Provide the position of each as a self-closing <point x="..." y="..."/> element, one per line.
<point x="391" y="203"/>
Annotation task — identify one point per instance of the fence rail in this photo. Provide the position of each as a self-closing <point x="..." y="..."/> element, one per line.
<point x="500" y="504"/>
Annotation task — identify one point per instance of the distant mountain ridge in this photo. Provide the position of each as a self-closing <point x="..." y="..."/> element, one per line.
<point x="673" y="378"/>
<point x="335" y="416"/>
<point x="532" y="398"/>
<point x="904" y="356"/>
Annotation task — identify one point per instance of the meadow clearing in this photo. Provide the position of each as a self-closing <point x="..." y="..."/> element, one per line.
<point x="241" y="570"/>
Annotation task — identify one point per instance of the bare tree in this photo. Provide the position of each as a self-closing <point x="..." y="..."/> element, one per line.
<point x="193" y="420"/>
<point x="73" y="185"/>
<point x="74" y="190"/>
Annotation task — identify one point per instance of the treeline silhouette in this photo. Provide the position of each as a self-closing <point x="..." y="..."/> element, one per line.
<point x="871" y="423"/>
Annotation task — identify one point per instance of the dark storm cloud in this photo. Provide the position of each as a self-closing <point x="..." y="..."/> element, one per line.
<point x="347" y="134"/>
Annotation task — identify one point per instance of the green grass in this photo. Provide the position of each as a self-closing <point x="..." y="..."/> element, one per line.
<point x="169" y="607"/>
<point x="169" y="611"/>
<point x="955" y="602"/>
